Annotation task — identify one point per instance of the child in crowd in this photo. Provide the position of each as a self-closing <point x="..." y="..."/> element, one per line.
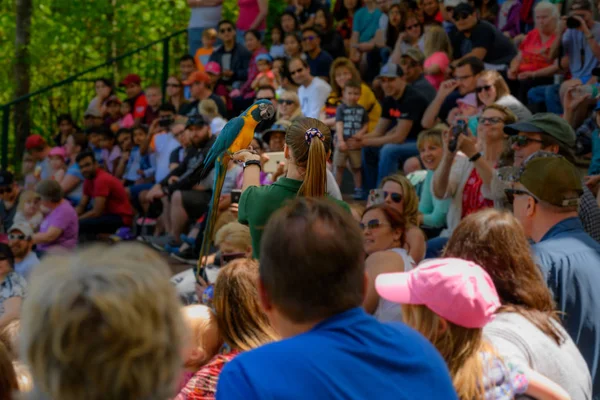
<point x="210" y="112"/>
<point x="58" y="163"/>
<point x="277" y="49"/>
<point x="350" y="123"/>
<point x="265" y="75"/>
<point x="125" y="143"/>
<point x="154" y="98"/>
<point x="457" y="331"/>
<point x="28" y="210"/>
<point x="95" y="137"/>
<point x="126" y="120"/>
<point x="209" y="39"/>
<point x="113" y="111"/>
<point x="28" y="171"/>
<point x="111" y="153"/>
<point x="467" y="109"/>
<point x="204" y="344"/>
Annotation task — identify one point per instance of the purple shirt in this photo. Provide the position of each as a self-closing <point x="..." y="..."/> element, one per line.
<point x="63" y="217"/>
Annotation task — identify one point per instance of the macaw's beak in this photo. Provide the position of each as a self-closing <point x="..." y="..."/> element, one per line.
<point x="268" y="112"/>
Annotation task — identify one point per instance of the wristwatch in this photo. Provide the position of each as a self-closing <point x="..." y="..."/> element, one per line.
<point x="251" y="162"/>
<point x="475" y="157"/>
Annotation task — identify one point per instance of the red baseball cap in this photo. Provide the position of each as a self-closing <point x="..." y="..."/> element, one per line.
<point x="457" y="290"/>
<point x="131" y="78"/>
<point x="34" y="141"/>
<point x="197" y="76"/>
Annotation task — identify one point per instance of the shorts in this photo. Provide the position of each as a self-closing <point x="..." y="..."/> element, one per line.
<point x="195" y="202"/>
<point x="340" y="158"/>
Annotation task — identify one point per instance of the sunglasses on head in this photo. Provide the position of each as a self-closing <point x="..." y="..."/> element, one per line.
<point x="16" y="236"/>
<point x="379" y="196"/>
<point x="523" y="141"/>
<point x="480" y="89"/>
<point x="511" y="193"/>
<point x="229" y="257"/>
<point x="371" y="224"/>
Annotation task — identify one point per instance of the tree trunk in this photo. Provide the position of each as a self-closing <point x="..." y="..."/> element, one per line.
<point x="22" y="73"/>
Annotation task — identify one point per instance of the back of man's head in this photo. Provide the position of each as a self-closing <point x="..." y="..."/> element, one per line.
<point x="312" y="260"/>
<point x="104" y="323"/>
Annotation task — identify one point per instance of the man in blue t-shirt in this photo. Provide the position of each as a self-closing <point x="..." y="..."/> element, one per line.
<point x="312" y="284"/>
<point x="319" y="61"/>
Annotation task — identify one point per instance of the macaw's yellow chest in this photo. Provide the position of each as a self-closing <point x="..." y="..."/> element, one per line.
<point x="244" y="138"/>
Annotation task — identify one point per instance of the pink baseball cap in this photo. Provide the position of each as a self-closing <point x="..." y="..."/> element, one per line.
<point x="58" y="151"/>
<point x="469" y="100"/>
<point x="212" y="67"/>
<point x="457" y="290"/>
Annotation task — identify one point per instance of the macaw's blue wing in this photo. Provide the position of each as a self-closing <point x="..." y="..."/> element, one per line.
<point x="228" y="134"/>
<point x="213" y="209"/>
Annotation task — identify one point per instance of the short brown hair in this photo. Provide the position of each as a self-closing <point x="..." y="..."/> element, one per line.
<point x="352" y="83"/>
<point x="312" y="260"/>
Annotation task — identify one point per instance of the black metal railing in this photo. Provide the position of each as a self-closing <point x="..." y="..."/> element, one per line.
<point x="153" y="62"/>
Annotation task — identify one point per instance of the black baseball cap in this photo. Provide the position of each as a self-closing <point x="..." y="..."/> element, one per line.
<point x="6" y="178"/>
<point x="195" y="121"/>
<point x="463" y="8"/>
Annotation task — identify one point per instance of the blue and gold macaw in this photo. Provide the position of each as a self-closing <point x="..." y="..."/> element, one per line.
<point x="236" y="135"/>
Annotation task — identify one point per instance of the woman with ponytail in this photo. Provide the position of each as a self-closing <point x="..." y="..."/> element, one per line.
<point x="307" y="148"/>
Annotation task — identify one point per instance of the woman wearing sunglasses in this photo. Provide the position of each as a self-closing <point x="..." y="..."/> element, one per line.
<point x="492" y="89"/>
<point x="12" y="287"/>
<point x="412" y="37"/>
<point x="464" y="174"/>
<point x="399" y="193"/>
<point x="384" y="230"/>
<point x="175" y="95"/>
<point x="289" y="106"/>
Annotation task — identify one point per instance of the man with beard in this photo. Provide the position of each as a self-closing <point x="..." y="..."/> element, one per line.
<point x="107" y="197"/>
<point x="21" y="244"/>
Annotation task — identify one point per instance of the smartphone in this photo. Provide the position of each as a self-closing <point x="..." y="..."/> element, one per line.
<point x="275" y="158"/>
<point x="235" y="196"/>
<point x="458" y="129"/>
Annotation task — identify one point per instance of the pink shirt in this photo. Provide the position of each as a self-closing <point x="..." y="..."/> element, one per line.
<point x="248" y="12"/>
<point x="440" y="59"/>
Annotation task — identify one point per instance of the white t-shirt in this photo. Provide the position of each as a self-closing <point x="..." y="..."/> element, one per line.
<point x="162" y="145"/>
<point x="205" y="17"/>
<point x="313" y="97"/>
<point x="216" y="125"/>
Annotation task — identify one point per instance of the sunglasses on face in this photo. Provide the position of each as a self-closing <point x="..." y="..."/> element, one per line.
<point x="461" y="16"/>
<point x="297" y="71"/>
<point x="511" y="193"/>
<point x="225" y="30"/>
<point x="413" y="26"/>
<point x="227" y="258"/>
<point x="308" y="38"/>
<point x="490" y="120"/>
<point x="3" y="258"/>
<point x="480" y="89"/>
<point x="16" y="236"/>
<point x="379" y="196"/>
<point x="371" y="225"/>
<point x="286" y="102"/>
<point x="5" y="190"/>
<point x="523" y="141"/>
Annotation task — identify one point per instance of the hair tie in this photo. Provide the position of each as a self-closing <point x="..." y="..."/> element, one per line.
<point x="311" y="133"/>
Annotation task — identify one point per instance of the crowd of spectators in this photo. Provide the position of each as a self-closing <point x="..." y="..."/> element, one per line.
<point x="422" y="212"/>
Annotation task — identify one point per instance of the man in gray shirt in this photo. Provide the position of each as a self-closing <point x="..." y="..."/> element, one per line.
<point x="412" y="66"/>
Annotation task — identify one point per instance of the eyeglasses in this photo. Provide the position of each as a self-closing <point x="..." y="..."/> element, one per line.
<point x="308" y="38"/>
<point x="227" y="258"/>
<point x="225" y="30"/>
<point x="173" y="85"/>
<point x="480" y="89"/>
<point x="523" y="141"/>
<point x="287" y="102"/>
<point x="462" y="78"/>
<point x="413" y="26"/>
<point x="511" y="193"/>
<point x="15" y="236"/>
<point x="296" y="71"/>
<point x="461" y="16"/>
<point x="379" y="196"/>
<point x="265" y="98"/>
<point x="372" y="224"/>
<point x="490" y="120"/>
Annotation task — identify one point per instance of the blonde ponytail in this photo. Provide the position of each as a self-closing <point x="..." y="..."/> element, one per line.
<point x="309" y="141"/>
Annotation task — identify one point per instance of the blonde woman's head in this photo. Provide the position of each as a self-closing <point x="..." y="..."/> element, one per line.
<point x="409" y="202"/>
<point x="112" y="315"/>
<point x="234" y="238"/>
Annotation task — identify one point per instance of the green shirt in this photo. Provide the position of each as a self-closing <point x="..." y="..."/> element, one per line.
<point x="258" y="203"/>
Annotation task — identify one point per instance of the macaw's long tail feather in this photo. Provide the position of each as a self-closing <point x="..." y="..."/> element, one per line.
<point x="213" y="210"/>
